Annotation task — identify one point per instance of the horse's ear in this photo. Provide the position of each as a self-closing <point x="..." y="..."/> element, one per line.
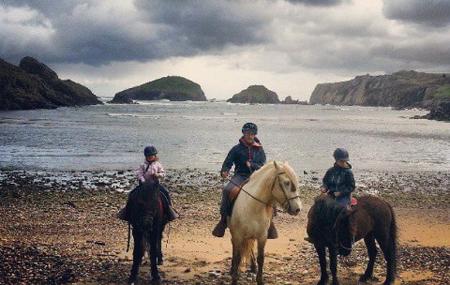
<point x="351" y="212"/>
<point x="276" y="165"/>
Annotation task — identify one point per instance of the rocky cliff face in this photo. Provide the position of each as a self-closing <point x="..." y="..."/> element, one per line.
<point x="255" y="94"/>
<point x="439" y="111"/>
<point x="289" y="100"/>
<point x="33" y="85"/>
<point x="173" y="88"/>
<point x="402" y="89"/>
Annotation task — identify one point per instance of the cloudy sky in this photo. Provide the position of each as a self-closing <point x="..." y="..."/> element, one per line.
<point x="287" y="45"/>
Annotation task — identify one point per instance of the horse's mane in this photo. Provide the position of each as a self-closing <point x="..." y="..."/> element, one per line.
<point x="144" y="201"/>
<point x="283" y="166"/>
<point x="325" y="211"/>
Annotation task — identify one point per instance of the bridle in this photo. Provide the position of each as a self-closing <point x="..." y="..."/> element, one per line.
<point x="277" y="179"/>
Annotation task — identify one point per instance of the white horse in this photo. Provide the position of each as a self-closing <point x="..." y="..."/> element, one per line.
<point x="252" y="213"/>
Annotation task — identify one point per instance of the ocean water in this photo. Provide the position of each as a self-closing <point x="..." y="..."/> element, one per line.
<point x="200" y="134"/>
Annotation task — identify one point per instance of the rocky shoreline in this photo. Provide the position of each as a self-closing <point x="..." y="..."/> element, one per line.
<point x="59" y="227"/>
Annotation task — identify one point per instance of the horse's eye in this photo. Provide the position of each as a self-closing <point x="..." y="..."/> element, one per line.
<point x="293" y="188"/>
<point x="287" y="183"/>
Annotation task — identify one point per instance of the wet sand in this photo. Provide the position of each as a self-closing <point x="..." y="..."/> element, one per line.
<point x="60" y="228"/>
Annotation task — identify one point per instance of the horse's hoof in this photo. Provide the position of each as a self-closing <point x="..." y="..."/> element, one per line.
<point x="156" y="281"/>
<point x="132" y="280"/>
<point x="364" y="278"/>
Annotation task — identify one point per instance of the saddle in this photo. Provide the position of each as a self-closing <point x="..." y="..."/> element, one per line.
<point x="234" y="193"/>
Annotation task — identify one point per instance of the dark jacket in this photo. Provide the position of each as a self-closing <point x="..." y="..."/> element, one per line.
<point x="242" y="152"/>
<point x="338" y="179"/>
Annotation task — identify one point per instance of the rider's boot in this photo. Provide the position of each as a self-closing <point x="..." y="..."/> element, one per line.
<point x="122" y="214"/>
<point x="309" y="239"/>
<point x="272" y="233"/>
<point x="219" y="230"/>
<point x="171" y="213"/>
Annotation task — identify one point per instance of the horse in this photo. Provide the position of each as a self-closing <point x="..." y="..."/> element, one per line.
<point x="337" y="228"/>
<point x="253" y="210"/>
<point x="148" y="222"/>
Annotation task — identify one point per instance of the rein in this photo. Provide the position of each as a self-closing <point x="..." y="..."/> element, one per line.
<point x="287" y="199"/>
<point x="347" y="248"/>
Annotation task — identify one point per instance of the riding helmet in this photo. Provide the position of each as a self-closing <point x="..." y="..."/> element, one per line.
<point x="150" y="150"/>
<point x="250" y="127"/>
<point x="341" y="154"/>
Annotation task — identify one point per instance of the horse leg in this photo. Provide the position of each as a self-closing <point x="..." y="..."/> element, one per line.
<point x="137" y="256"/>
<point x="235" y="262"/>
<point x="323" y="264"/>
<point x="388" y="249"/>
<point x="260" y="259"/>
<point x="252" y="262"/>
<point x="333" y="264"/>
<point x="372" y="252"/>
<point x="160" y="254"/>
<point x="156" y="279"/>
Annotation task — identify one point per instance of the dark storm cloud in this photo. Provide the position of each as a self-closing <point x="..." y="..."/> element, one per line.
<point x="95" y="32"/>
<point x="275" y="36"/>
<point x="429" y="12"/>
<point x="318" y="2"/>
<point x="208" y="24"/>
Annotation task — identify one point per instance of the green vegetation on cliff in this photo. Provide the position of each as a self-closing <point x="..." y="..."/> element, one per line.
<point x="258" y="94"/>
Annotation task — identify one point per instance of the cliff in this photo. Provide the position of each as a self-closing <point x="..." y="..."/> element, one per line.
<point x="403" y="89"/>
<point x="33" y="85"/>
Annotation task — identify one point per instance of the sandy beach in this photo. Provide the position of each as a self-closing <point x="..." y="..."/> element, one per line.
<point x="59" y="227"/>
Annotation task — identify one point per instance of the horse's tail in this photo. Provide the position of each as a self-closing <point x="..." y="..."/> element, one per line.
<point x="393" y="236"/>
<point x="247" y="250"/>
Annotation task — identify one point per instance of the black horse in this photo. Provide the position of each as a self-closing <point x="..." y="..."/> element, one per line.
<point x="148" y="221"/>
<point x="336" y="227"/>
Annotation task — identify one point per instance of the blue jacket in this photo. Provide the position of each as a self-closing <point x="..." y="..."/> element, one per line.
<point x="338" y="179"/>
<point x="240" y="154"/>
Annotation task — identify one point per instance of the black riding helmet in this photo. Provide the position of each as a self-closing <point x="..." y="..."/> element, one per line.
<point x="341" y="154"/>
<point x="150" y="150"/>
<point x="250" y="127"/>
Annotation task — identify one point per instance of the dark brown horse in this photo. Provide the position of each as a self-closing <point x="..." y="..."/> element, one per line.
<point x="148" y="222"/>
<point x="337" y="228"/>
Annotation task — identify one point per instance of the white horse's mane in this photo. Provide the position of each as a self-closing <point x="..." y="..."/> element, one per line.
<point x="283" y="166"/>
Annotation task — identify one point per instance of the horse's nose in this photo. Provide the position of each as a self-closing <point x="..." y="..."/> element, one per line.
<point x="297" y="211"/>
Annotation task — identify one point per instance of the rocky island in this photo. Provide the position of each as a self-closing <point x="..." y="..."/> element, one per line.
<point x="34" y="85"/>
<point x="289" y="100"/>
<point x="173" y="88"/>
<point x="403" y="89"/>
<point x="258" y="94"/>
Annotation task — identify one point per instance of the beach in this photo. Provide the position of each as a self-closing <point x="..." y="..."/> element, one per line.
<point x="60" y="227"/>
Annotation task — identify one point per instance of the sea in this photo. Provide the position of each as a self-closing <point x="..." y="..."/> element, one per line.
<point x="200" y="134"/>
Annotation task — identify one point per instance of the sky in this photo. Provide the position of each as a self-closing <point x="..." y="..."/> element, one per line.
<point x="226" y="45"/>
